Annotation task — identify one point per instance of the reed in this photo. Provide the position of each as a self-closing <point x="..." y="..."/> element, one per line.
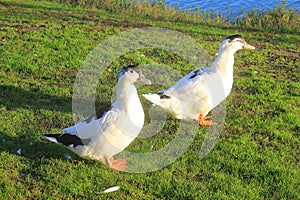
<point x="280" y="18"/>
<point x="153" y="9"/>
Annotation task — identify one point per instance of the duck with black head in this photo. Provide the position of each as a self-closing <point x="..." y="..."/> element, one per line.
<point x="104" y="135"/>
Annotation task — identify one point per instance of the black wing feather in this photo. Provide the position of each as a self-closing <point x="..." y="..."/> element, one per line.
<point x="66" y="139"/>
<point x="98" y="114"/>
<point x="197" y="72"/>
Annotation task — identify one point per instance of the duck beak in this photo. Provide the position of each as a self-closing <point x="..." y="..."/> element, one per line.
<point x="144" y="81"/>
<point x="248" y="46"/>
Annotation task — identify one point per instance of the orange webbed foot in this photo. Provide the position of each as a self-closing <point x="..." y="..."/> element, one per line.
<point x="119" y="164"/>
<point x="203" y="120"/>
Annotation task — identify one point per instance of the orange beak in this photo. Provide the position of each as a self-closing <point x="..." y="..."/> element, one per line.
<point x="248" y="46"/>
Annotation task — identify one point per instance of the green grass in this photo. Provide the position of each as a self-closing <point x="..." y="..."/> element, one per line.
<point x="43" y="45"/>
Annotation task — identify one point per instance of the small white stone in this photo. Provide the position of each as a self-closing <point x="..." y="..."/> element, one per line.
<point x="67" y="156"/>
<point x="19" y="151"/>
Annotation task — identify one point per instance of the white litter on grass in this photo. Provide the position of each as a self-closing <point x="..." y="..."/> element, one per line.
<point x="112" y="189"/>
<point x="30" y="143"/>
<point x="67" y="156"/>
<point x="19" y="151"/>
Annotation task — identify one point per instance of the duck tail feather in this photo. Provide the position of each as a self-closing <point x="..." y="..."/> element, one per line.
<point x="153" y="98"/>
<point x="65" y="139"/>
<point x="52" y="137"/>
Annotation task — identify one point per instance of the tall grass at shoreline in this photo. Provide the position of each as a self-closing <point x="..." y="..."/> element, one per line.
<point x="280" y="18"/>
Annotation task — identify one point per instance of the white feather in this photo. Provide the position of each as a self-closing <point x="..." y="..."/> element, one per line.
<point x="112" y="189"/>
<point x="51" y="139"/>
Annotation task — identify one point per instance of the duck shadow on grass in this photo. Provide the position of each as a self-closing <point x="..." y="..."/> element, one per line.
<point x="36" y="158"/>
<point x="30" y="142"/>
<point x="38" y="153"/>
<point x="30" y="147"/>
<point x="13" y="97"/>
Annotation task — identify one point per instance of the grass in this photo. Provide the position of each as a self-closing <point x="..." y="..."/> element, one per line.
<point x="44" y="44"/>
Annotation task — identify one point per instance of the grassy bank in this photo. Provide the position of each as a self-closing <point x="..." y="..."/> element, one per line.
<point x="280" y="19"/>
<point x="43" y="45"/>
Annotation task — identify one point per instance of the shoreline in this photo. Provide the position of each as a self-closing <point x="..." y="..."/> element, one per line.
<point x="279" y="19"/>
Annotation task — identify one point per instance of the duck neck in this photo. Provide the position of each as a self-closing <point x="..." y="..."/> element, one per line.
<point x="126" y="96"/>
<point x="224" y="63"/>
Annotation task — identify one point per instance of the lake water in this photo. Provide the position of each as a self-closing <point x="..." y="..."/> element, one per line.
<point x="235" y="6"/>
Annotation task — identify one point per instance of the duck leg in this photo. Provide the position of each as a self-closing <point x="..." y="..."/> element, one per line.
<point x="119" y="164"/>
<point x="203" y="120"/>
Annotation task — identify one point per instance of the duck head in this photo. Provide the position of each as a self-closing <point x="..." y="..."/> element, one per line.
<point x="234" y="43"/>
<point x="132" y="74"/>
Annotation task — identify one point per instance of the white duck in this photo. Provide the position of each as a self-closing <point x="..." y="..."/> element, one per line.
<point x="102" y="137"/>
<point x="193" y="96"/>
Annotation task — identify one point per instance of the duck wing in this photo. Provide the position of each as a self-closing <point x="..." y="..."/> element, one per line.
<point x="82" y="132"/>
<point x="192" y="84"/>
<point x="93" y="125"/>
<point x="198" y="92"/>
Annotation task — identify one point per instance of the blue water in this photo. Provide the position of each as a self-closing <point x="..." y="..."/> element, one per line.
<point x="235" y="6"/>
